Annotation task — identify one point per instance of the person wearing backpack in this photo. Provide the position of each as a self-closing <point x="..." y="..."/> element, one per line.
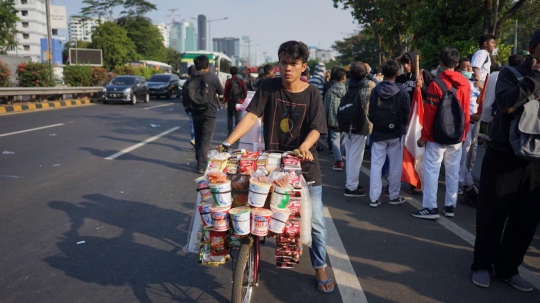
<point x="446" y="123"/>
<point x="235" y="93"/>
<point x="199" y="99"/>
<point x="389" y="107"/>
<point x="353" y="122"/>
<point x="508" y="205"/>
<point x="332" y="98"/>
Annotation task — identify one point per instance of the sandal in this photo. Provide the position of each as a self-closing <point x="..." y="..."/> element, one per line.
<point x="324" y="290"/>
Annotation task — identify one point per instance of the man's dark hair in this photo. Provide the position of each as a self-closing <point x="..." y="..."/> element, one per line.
<point x="433" y="66"/>
<point x="267" y="69"/>
<point x="333" y="75"/>
<point x="406" y="58"/>
<point x="484" y="38"/>
<point x="339" y="73"/>
<point x="201" y="62"/>
<point x="306" y="72"/>
<point x="357" y="71"/>
<point x="234" y="70"/>
<point x="293" y="50"/>
<point x="449" y="57"/>
<point x="464" y="59"/>
<point x="378" y="70"/>
<point x="515" y="60"/>
<point x="390" y="69"/>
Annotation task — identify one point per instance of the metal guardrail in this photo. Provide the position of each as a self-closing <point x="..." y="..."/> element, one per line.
<point x="28" y="91"/>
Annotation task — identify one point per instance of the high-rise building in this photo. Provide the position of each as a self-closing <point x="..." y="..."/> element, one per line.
<point x="32" y="27"/>
<point x="183" y="37"/>
<point x="229" y="46"/>
<point x="81" y="29"/>
<point x="244" y="48"/>
<point x="201" y="26"/>
<point x="164" y="31"/>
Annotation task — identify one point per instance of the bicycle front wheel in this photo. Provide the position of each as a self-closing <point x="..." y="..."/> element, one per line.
<point x="244" y="274"/>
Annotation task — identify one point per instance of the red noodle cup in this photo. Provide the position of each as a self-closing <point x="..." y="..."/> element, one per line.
<point x="204" y="189"/>
<point x="220" y="217"/>
<point x="206" y="215"/>
<point x="294" y="207"/>
<point x="221" y="192"/>
<point x="278" y="220"/>
<point x="280" y="197"/>
<point x="258" y="191"/>
<point x="240" y="218"/>
<point x="260" y="218"/>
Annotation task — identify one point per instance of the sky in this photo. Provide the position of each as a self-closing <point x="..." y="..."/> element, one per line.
<point x="268" y="23"/>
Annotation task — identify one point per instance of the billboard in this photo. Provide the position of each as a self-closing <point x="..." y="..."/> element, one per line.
<point x="92" y="57"/>
<point x="58" y="17"/>
<point x="56" y="51"/>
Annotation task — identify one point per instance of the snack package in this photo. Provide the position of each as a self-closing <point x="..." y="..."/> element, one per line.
<point x="218" y="248"/>
<point x="261" y="160"/>
<point x="273" y="162"/>
<point x="217" y="162"/>
<point x="295" y="175"/>
<point x="295" y="207"/>
<point x="215" y="177"/>
<point x="291" y="162"/>
<point x="235" y="241"/>
<point x="285" y="265"/>
<point x="279" y="179"/>
<point x="292" y="230"/>
<point x="248" y="163"/>
<point x="232" y="165"/>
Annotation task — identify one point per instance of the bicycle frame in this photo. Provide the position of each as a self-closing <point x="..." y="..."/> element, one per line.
<point x="257" y="244"/>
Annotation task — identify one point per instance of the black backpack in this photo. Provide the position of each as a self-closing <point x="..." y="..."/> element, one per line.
<point x="198" y="95"/>
<point x="386" y="115"/>
<point x="449" y="124"/>
<point x="351" y="116"/>
<point x="236" y="90"/>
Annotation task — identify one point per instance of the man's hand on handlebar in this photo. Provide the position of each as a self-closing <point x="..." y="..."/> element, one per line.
<point x="306" y="154"/>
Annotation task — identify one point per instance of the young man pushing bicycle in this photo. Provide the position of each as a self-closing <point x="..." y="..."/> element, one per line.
<point x="294" y="118"/>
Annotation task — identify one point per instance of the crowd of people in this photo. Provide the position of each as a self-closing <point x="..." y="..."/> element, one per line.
<point x="351" y="109"/>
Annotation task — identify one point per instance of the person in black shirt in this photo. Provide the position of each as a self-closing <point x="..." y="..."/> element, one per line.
<point x="294" y="118"/>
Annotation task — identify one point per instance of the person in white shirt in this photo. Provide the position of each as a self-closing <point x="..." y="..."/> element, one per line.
<point x="481" y="60"/>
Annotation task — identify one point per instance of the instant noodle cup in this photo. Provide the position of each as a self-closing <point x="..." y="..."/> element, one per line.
<point x="260" y="218"/>
<point x="241" y="220"/>
<point x="280" y="197"/>
<point x="221" y="192"/>
<point x="206" y="215"/>
<point x="278" y="220"/>
<point x="258" y="191"/>
<point x="220" y="217"/>
<point x="204" y="189"/>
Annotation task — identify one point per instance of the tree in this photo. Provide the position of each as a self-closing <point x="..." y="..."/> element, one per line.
<point x="117" y="48"/>
<point x="361" y="46"/>
<point x="73" y="44"/>
<point x="493" y="10"/>
<point x="146" y="37"/>
<point x="528" y="17"/>
<point x="173" y="58"/>
<point x="105" y="8"/>
<point x="8" y="29"/>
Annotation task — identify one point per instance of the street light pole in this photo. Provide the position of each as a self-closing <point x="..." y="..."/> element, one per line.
<point x="49" y="33"/>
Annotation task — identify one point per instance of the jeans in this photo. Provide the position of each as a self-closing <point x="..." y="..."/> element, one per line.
<point x="335" y="139"/>
<point x="232" y="112"/>
<point x="191" y="128"/>
<point x="204" y="132"/>
<point x="317" y="252"/>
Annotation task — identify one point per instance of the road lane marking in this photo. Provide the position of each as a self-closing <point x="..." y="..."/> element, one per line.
<point x="127" y="150"/>
<point x="468" y="237"/>
<point x="168" y="104"/>
<point x="344" y="274"/>
<point x="30" y="130"/>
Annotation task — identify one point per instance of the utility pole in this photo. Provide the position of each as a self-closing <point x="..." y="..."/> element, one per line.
<point x="515" y="38"/>
<point x="49" y="34"/>
<point x="249" y="45"/>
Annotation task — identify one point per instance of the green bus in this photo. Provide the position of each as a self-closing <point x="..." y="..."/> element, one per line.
<point x="220" y="64"/>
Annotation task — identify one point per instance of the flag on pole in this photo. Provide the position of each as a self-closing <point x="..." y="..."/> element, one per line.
<point x="413" y="156"/>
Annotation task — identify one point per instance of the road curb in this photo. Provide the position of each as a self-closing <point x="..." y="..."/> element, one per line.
<point x="4" y="109"/>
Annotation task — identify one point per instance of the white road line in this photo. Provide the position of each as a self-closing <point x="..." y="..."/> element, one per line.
<point x="345" y="276"/>
<point x="168" y="104"/>
<point x="32" y="129"/>
<point x="470" y="238"/>
<point x="127" y="150"/>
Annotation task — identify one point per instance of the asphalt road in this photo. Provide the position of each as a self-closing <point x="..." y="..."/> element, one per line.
<point x="133" y="214"/>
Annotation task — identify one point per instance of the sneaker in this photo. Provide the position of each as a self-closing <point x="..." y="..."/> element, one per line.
<point x="192" y="141"/>
<point x="427" y="213"/>
<point x="519" y="283"/>
<point x="359" y="192"/>
<point x="415" y="192"/>
<point x="398" y="200"/>
<point x="481" y="278"/>
<point x="338" y="165"/>
<point x="449" y="211"/>
<point x="374" y="203"/>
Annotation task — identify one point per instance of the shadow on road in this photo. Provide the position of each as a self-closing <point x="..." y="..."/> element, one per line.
<point x="129" y="258"/>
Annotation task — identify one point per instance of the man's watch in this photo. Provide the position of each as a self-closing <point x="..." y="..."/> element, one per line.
<point x="226" y="145"/>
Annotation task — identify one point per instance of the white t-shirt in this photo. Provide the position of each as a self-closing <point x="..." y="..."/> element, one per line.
<point x="479" y="61"/>
<point x="475" y="92"/>
<point x="489" y="98"/>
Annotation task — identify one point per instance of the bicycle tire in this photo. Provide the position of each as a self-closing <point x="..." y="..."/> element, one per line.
<point x="242" y="291"/>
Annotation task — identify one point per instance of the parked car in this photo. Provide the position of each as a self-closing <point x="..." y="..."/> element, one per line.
<point x="167" y="85"/>
<point x="126" y="89"/>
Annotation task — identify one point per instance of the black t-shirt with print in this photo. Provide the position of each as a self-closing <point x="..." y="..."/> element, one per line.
<point x="288" y="118"/>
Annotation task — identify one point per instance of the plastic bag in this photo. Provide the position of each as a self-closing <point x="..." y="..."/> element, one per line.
<point x="279" y="179"/>
<point x="305" y="214"/>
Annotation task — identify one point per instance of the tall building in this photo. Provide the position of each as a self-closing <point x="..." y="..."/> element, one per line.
<point x="244" y="49"/>
<point x="201" y="26"/>
<point x="229" y="46"/>
<point x="81" y="29"/>
<point x="322" y="55"/>
<point x="183" y="37"/>
<point x="32" y="27"/>
<point x="164" y="31"/>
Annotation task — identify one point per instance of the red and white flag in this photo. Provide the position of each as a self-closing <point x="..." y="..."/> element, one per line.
<point x="413" y="156"/>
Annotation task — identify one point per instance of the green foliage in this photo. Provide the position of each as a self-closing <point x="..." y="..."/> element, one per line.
<point x="146" y="37"/>
<point x="503" y="52"/>
<point x="8" y="25"/>
<point x="528" y="17"/>
<point x="5" y="72"/>
<point x="145" y="72"/>
<point x="116" y="46"/>
<point x="73" y="44"/>
<point x="35" y="74"/>
<point x="84" y="75"/>
<point x="105" y="8"/>
<point x="173" y="57"/>
<point x="361" y="46"/>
